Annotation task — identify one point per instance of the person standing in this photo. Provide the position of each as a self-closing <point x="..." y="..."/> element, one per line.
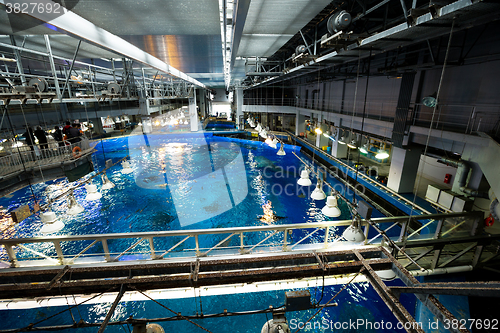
<point x="58" y="136"/>
<point x="74" y="134"/>
<point x="66" y="128"/>
<point x="42" y="137"/>
<point x="30" y="138"/>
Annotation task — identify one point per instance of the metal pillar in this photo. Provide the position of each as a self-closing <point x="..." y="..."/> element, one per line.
<point x="17" y="55"/>
<point x="52" y="66"/>
<point x="193" y="113"/>
<point x="239" y="108"/>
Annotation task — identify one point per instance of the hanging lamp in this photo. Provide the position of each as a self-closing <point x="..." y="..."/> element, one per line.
<point x="304" y="178"/>
<point x="281" y="152"/>
<point x="353" y="233"/>
<point x="73" y="206"/>
<point x="318" y="193"/>
<point x="50" y="222"/>
<point x="126" y="167"/>
<point x="106" y="183"/>
<point x="92" y="193"/>
<point x="331" y="208"/>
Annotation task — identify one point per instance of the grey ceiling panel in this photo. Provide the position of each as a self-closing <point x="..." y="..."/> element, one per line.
<point x="187" y="53"/>
<point x="152" y="17"/>
<point x="281" y="16"/>
<point x="261" y="45"/>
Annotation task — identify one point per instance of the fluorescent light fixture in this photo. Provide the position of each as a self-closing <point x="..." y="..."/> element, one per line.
<point x="382" y="155"/>
<point x="318" y="131"/>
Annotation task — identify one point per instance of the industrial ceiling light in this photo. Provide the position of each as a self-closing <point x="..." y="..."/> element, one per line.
<point x="342" y="140"/>
<point x="92" y="193"/>
<point x="263" y="134"/>
<point x="258" y="128"/>
<point x="106" y="183"/>
<point x="353" y="233"/>
<point x="126" y="167"/>
<point x="352" y="144"/>
<point x="430" y="101"/>
<point x="50" y="222"/>
<point x="73" y="206"/>
<point x="304" y="178"/>
<point x="331" y="208"/>
<point x="364" y="149"/>
<point x="281" y="152"/>
<point x="382" y="155"/>
<point x="318" y="131"/>
<point x="274" y="142"/>
<point x="318" y="193"/>
<point x="386" y="275"/>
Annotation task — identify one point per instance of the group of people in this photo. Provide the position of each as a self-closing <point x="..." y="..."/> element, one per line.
<point x="70" y="134"/>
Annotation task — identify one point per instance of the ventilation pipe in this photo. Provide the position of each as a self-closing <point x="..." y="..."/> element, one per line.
<point x="494" y="206"/>
<point x="464" y="175"/>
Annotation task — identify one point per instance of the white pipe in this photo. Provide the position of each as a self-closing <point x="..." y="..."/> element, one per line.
<point x="444" y="270"/>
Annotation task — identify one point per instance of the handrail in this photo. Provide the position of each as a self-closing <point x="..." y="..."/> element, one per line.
<point x="69" y="258"/>
<point x="16" y="161"/>
<point x="193" y="232"/>
<point x="365" y="177"/>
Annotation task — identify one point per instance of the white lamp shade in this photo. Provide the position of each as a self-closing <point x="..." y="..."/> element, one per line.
<point x="126" y="167"/>
<point x="318" y="193"/>
<point x="331" y="208"/>
<point x="281" y="152"/>
<point x="263" y="134"/>
<point x="386" y="275"/>
<point x="258" y="128"/>
<point x="106" y="183"/>
<point x="73" y="206"/>
<point x="353" y="234"/>
<point x="92" y="193"/>
<point x="50" y="223"/>
<point x="304" y="179"/>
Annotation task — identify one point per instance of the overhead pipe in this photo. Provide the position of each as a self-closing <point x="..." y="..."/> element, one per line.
<point x="464" y="175"/>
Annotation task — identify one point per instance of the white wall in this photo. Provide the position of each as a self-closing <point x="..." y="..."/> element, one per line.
<point x="431" y="169"/>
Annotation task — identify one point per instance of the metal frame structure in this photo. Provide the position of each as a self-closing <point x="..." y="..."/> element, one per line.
<point x="202" y="272"/>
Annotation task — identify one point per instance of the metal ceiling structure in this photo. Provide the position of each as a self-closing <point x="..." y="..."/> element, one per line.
<point x="211" y="43"/>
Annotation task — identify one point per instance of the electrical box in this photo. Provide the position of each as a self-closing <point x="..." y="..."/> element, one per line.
<point x="297" y="300"/>
<point x="446" y="199"/>
<point x="364" y="210"/>
<point x="433" y="192"/>
<point x="462" y="204"/>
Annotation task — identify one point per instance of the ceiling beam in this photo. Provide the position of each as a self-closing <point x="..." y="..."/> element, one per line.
<point x="78" y="27"/>
<point x="240" y="18"/>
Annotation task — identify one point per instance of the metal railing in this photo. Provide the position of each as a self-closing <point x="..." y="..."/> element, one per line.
<point x="62" y="250"/>
<point x="27" y="157"/>
<point x="456" y="118"/>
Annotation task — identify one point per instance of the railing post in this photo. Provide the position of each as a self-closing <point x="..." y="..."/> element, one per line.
<point x="242" y="243"/>
<point x="152" y="247"/>
<point x="327" y="234"/>
<point x="60" y="255"/>
<point x="437" y="234"/>
<point x="285" y="242"/>
<point x="106" y="249"/>
<point x="197" y="245"/>
<point x="12" y="255"/>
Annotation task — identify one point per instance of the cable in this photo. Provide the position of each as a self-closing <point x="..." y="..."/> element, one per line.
<point x="432" y="122"/>
<point x="331" y="299"/>
<point x="176" y="313"/>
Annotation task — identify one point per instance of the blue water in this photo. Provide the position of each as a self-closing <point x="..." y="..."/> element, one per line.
<point x="192" y="181"/>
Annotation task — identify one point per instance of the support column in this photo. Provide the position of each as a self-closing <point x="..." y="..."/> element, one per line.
<point x="239" y="108"/>
<point x="19" y="62"/>
<point x="203" y="103"/>
<point x="300" y="123"/>
<point x="338" y="150"/>
<point x="403" y="171"/>
<point x="52" y="66"/>
<point x="193" y="113"/>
